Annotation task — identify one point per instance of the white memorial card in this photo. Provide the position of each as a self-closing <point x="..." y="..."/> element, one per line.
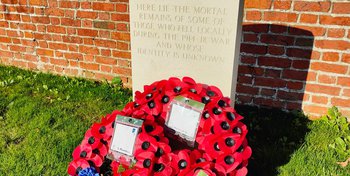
<point x="124" y="136"/>
<point x="183" y="118"/>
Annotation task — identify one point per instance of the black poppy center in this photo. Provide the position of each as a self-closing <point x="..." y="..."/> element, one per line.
<point x="157" y="138"/>
<point x="193" y="90"/>
<point x="199" y="160"/>
<point x="217" y="111"/>
<point x="224" y="125"/>
<point x="145" y="145"/>
<point x="229" y="142"/>
<point x="158" y="167"/>
<point x="148" y="96"/>
<point x="113" y="124"/>
<point x="206" y="115"/>
<point x="210" y="93"/>
<point x="151" y="104"/>
<point x="216" y="146"/>
<point x="78" y="170"/>
<point x="91" y="140"/>
<point x="240" y="149"/>
<point x="102" y="129"/>
<point x="136" y="105"/>
<point x="230" y="116"/>
<point x="182" y="164"/>
<point x="96" y="151"/>
<point x="149" y="128"/>
<point x="237" y="130"/>
<point x="83" y="154"/>
<point x="159" y="152"/>
<point x="205" y="99"/>
<point x="146" y="163"/>
<point x="222" y="103"/>
<point x="177" y="89"/>
<point x="212" y="130"/>
<point x="165" y="99"/>
<point x="229" y="160"/>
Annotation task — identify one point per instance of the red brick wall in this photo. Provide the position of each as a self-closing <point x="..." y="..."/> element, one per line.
<point x="294" y="54"/>
<point x="87" y="39"/>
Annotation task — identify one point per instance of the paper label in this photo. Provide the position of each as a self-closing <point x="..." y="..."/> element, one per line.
<point x="183" y="118"/>
<point x="125" y="132"/>
<point x="125" y="138"/>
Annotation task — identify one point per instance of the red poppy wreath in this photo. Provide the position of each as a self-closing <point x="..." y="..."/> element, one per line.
<point x="220" y="148"/>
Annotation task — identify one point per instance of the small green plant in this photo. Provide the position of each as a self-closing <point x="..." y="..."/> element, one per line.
<point x="342" y="143"/>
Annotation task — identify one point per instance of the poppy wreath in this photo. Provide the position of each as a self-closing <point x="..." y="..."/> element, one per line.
<point x="221" y="147"/>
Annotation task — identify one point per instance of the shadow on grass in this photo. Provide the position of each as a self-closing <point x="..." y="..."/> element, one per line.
<point x="273" y="136"/>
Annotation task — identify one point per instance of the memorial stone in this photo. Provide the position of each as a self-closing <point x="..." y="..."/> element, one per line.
<point x="196" y="38"/>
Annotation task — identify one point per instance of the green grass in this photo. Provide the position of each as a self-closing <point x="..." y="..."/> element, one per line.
<point x="315" y="156"/>
<point x="287" y="144"/>
<point x="44" y="117"/>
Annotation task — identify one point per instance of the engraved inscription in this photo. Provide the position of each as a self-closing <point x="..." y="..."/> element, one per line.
<point x="182" y="32"/>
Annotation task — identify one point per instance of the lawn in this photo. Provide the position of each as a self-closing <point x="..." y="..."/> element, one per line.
<point x="44" y="117"/>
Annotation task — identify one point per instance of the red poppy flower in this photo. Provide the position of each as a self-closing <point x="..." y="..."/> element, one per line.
<point x="240" y="129"/>
<point x="145" y="142"/>
<point x="109" y="118"/>
<point x="102" y="131"/>
<point x="90" y="140"/>
<point x="162" y="139"/>
<point x="162" y="166"/>
<point x="129" y="108"/>
<point x="221" y="126"/>
<point x="205" y="125"/>
<point x="88" y="153"/>
<point x="152" y="128"/>
<point x="150" y="92"/>
<point x="233" y="117"/>
<point x="82" y="152"/>
<point x="162" y="149"/>
<point x="145" y="160"/>
<point x="229" y="161"/>
<point x="244" y="150"/>
<point x="211" y="146"/>
<point x="196" y="156"/>
<point x="215" y="111"/>
<point x="218" y="170"/>
<point x="210" y="94"/>
<point x="181" y="161"/>
<point x="101" y="150"/>
<point x="77" y="165"/>
<point x="153" y="107"/>
<point x="229" y="142"/>
<point x="96" y="159"/>
<point x="242" y="171"/>
<point x="175" y="87"/>
<point x="193" y="90"/>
